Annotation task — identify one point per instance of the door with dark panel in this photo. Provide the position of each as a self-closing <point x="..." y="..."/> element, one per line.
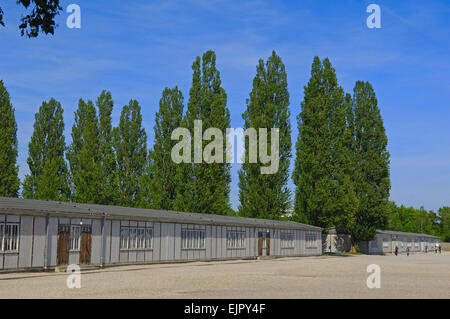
<point x="268" y="244"/>
<point x="260" y="243"/>
<point x="63" y="244"/>
<point x="85" y="245"/>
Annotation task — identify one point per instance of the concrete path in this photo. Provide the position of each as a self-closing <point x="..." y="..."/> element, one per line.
<point x="417" y="276"/>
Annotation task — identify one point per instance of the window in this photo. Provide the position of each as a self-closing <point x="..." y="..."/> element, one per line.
<point x="124" y="237"/>
<point x="149" y="238"/>
<point x="2" y="228"/>
<point x="287" y="239"/>
<point x="75" y="231"/>
<point x="9" y="237"/>
<point x="386" y="242"/>
<point x="409" y="244"/>
<point x="311" y="240"/>
<point x="136" y="238"/>
<point x="235" y="239"/>
<point x="192" y="239"/>
<point x="132" y="238"/>
<point x="140" y="238"/>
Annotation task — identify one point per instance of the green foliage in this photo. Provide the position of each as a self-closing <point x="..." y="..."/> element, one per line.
<point x="371" y="160"/>
<point x="444" y="215"/>
<point x="267" y="195"/>
<point x="108" y="167"/>
<point x="184" y="200"/>
<point x="323" y="173"/>
<point x="341" y="169"/>
<point x="130" y="144"/>
<point x="204" y="187"/>
<point x="91" y="154"/>
<point x="41" y="18"/>
<point x="410" y="219"/>
<point x="148" y="186"/>
<point x="84" y="155"/>
<point x="162" y="168"/>
<point x="9" y="180"/>
<point x="232" y="212"/>
<point x="342" y="165"/>
<point x="48" y="178"/>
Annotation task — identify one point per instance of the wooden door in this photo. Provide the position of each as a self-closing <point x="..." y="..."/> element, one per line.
<point x="85" y="248"/>
<point x="63" y="245"/>
<point x="268" y="244"/>
<point x="260" y="244"/>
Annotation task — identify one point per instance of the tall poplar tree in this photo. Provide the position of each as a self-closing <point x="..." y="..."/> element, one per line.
<point x="324" y="194"/>
<point x="130" y="144"/>
<point x="168" y="118"/>
<point x="84" y="155"/>
<point x="9" y="179"/>
<point x="147" y="186"/>
<point x="184" y="199"/>
<point x="204" y="187"/>
<point x="371" y="176"/>
<point x="108" y="169"/>
<point x="48" y="177"/>
<point x="267" y="195"/>
<point x="444" y="214"/>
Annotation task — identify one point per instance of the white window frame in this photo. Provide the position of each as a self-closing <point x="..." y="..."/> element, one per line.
<point x="124" y="236"/>
<point x="132" y="240"/>
<point x="311" y="240"/>
<point x="149" y="237"/>
<point x="136" y="238"/>
<point x="140" y="238"/>
<point x="287" y="239"/>
<point x="74" y="237"/>
<point x="236" y="239"/>
<point x="9" y="240"/>
<point x="193" y="239"/>
<point x="2" y="237"/>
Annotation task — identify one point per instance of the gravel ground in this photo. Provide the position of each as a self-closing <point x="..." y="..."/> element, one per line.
<point x="417" y="276"/>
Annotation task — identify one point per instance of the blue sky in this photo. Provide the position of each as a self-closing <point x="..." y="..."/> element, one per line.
<point x="137" y="50"/>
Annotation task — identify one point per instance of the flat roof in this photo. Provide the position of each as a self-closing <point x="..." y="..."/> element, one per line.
<point x="333" y="230"/>
<point x="20" y="205"/>
<point x="398" y="233"/>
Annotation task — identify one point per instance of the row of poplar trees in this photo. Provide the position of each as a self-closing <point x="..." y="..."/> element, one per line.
<point x="342" y="165"/>
<point x="341" y="168"/>
<point x="104" y="164"/>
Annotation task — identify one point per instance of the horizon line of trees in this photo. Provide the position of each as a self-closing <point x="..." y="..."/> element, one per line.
<point x="341" y="172"/>
<point x="412" y="220"/>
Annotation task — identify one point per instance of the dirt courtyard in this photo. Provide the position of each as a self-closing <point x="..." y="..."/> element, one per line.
<point x="417" y="276"/>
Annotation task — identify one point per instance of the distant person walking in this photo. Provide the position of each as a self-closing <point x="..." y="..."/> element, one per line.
<point x="436" y="248"/>
<point x="407" y="251"/>
<point x="396" y="250"/>
<point x="440" y="248"/>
